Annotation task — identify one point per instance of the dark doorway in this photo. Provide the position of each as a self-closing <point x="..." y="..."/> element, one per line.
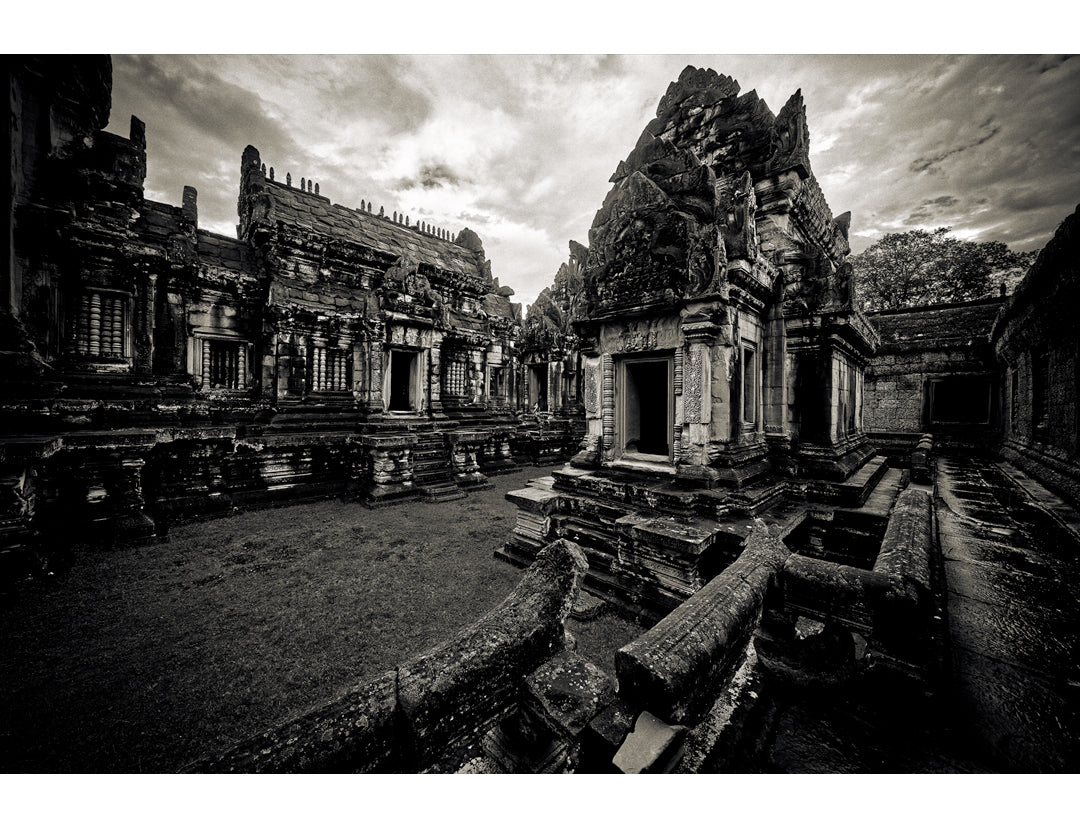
<point x="646" y="407"/>
<point x="538" y="386"/>
<point x="960" y="400"/>
<point x="402" y="381"/>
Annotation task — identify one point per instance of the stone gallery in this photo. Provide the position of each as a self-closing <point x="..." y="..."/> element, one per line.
<point x="789" y="493"/>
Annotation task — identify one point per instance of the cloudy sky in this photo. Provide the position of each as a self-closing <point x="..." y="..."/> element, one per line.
<point x="519" y="148"/>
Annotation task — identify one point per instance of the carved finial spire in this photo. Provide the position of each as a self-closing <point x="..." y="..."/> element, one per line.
<point x="362" y="206"/>
<point x="303" y="183"/>
<point x="381" y="212"/>
<point x="406" y="221"/>
<point x="288" y="179"/>
<point x="264" y="169"/>
<point x="395" y="216"/>
<point x="271" y="173"/>
<point x="316" y="188"/>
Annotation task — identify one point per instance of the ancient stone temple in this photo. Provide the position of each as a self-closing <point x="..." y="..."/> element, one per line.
<point x="722" y="356"/>
<point x="154" y="370"/>
<point x="552" y="362"/>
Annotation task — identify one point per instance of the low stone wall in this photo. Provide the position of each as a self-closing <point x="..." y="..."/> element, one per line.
<point x="922" y="469"/>
<point x="409" y="718"/>
<point x="675" y="669"/>
<point x="891" y="605"/>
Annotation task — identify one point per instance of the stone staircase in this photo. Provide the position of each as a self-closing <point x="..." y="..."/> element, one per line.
<point x="432" y="469"/>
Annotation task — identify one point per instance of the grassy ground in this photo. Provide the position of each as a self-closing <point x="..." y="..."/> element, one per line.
<point x="143" y="659"/>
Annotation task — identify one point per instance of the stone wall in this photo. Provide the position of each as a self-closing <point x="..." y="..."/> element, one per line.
<point x="1037" y="345"/>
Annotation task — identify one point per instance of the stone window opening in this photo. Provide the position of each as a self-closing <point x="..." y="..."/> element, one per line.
<point x="224" y="364"/>
<point x="403" y="381"/>
<point x="101" y="325"/>
<point x="960" y="400"/>
<point x="329" y="369"/>
<point x="646" y="407"/>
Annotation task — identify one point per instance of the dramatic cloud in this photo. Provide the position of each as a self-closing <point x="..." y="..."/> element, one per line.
<point x="519" y="148"/>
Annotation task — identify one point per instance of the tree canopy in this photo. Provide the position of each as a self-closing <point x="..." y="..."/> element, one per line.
<point x="921" y="267"/>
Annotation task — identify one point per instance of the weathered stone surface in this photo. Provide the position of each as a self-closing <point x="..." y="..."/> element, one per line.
<point x="675" y="668"/>
<point x="653" y="746"/>
<point x="452" y="692"/>
<point x="570" y="690"/>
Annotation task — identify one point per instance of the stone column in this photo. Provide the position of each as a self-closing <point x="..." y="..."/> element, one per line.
<point x="697" y="389"/>
<point x="774" y="392"/>
<point x="130" y="521"/>
<point x="607" y="404"/>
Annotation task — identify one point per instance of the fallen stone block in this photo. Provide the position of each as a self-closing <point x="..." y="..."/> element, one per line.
<point x="653" y="746"/>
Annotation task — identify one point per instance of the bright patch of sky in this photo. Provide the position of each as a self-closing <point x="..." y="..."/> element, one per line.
<point x="519" y="147"/>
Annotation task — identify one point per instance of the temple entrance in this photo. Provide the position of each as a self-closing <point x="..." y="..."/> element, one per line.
<point x="402" y="380"/>
<point x="538" y="386"/>
<point x="645" y="406"/>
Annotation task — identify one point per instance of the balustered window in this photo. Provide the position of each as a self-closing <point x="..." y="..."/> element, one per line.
<point x="224" y="364"/>
<point x="101" y="325"/>
<point x="329" y="369"/>
<point x="454" y="376"/>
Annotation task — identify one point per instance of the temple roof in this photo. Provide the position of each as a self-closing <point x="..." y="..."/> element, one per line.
<point x="937" y="325"/>
<point x="316" y="213"/>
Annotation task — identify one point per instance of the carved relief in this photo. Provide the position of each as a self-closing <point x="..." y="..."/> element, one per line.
<point x="693" y="385"/>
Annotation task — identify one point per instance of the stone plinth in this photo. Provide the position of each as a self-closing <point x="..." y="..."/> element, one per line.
<point x="385" y="467"/>
<point x="466" y="447"/>
<point x="543" y="735"/>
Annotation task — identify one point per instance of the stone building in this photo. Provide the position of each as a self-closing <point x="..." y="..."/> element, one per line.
<point x="155" y="370"/>
<point x="934" y="372"/>
<point x="996" y="374"/>
<point x="552" y="363"/>
<point x="721" y="351"/>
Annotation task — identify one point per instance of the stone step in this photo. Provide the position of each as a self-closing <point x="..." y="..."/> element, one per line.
<point x="856" y="489"/>
<point x="441" y="492"/>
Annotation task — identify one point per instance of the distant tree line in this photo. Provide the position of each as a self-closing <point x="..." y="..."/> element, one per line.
<point x="921" y="267"/>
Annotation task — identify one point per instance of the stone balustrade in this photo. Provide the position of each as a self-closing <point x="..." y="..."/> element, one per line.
<point x="674" y="669"/>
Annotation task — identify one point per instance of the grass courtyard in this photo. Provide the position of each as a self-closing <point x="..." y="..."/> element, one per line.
<point x="142" y="659"/>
